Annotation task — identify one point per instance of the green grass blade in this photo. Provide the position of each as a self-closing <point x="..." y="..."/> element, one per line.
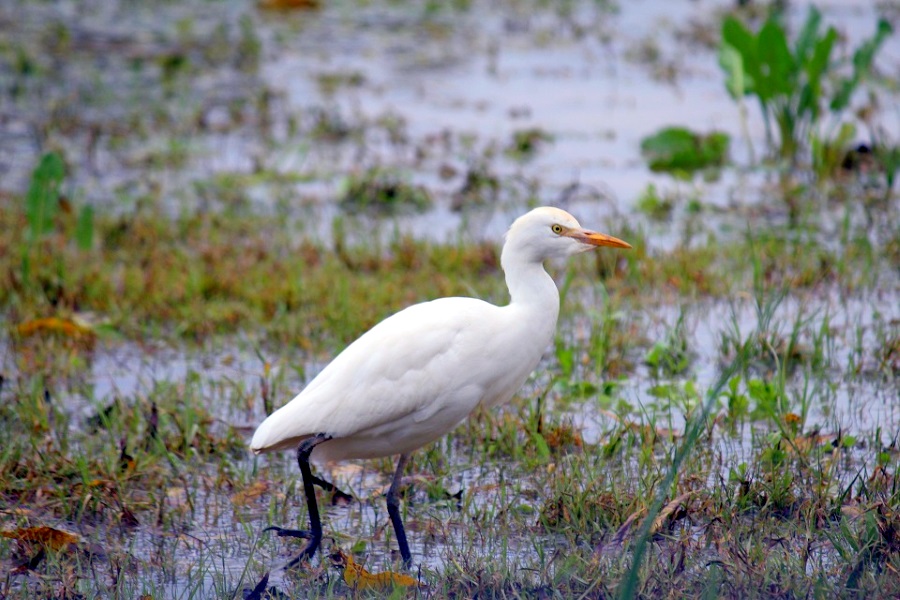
<point x="693" y="432"/>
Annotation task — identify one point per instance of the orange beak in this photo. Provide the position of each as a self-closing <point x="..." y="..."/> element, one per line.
<point x="592" y="238"/>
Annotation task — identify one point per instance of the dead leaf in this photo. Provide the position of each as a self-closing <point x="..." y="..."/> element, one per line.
<point x="76" y="328"/>
<point x="792" y="419"/>
<point x="622" y="532"/>
<point x="668" y="511"/>
<point x="359" y="579"/>
<point x="808" y="442"/>
<point x="665" y="513"/>
<point x="256" y="489"/>
<point x="563" y="436"/>
<point x="289" y="4"/>
<point x="852" y="512"/>
<point x="880" y="479"/>
<point x="48" y="537"/>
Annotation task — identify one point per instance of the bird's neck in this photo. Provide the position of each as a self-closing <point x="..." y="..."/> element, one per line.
<point x="531" y="287"/>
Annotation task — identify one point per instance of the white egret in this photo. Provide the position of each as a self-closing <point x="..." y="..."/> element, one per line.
<point x="419" y="373"/>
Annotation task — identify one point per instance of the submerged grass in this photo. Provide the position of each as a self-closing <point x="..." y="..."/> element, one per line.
<point x="717" y="417"/>
<point x="165" y="501"/>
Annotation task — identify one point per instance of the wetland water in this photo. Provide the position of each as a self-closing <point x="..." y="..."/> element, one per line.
<point x="223" y="106"/>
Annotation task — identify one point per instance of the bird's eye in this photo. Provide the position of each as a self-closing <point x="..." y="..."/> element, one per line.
<point x="557" y="228"/>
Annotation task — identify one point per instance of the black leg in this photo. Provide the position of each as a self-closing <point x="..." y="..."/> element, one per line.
<point x="314" y="535"/>
<point x="393" y="506"/>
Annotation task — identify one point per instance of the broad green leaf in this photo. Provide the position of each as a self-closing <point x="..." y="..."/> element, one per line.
<point x="811" y="94"/>
<point x="742" y="41"/>
<point x="821" y="56"/>
<point x="865" y="54"/>
<point x="862" y="63"/>
<point x="807" y="38"/>
<point x="42" y="200"/>
<point x="739" y="37"/>
<point x="776" y="62"/>
<point x="733" y="65"/>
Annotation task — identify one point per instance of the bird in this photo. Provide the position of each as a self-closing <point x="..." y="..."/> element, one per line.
<point x="420" y="372"/>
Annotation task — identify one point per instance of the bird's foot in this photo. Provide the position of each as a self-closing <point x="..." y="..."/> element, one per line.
<point x="297" y="533"/>
<point x="305" y="554"/>
<point x="308" y="551"/>
<point x="339" y="498"/>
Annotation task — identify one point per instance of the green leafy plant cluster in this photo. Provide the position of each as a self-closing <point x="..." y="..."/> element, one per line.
<point x="682" y="152"/>
<point x="793" y="80"/>
<point x="42" y="207"/>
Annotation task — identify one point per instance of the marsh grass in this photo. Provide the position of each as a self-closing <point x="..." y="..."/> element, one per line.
<point x="564" y="516"/>
<point x="514" y="503"/>
<point x="717" y="416"/>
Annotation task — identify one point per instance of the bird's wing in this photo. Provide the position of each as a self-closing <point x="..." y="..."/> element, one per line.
<point x="421" y="362"/>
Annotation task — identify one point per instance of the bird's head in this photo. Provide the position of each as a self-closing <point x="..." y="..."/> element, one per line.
<point x="547" y="232"/>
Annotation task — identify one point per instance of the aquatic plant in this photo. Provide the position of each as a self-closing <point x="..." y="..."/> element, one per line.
<point x="682" y="152"/>
<point x="43" y="203"/>
<point x="796" y="81"/>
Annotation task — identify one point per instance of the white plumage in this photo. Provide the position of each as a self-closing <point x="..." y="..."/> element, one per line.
<point x="419" y="373"/>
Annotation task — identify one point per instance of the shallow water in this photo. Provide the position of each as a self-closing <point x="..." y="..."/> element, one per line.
<point x="424" y="93"/>
<point x="418" y="92"/>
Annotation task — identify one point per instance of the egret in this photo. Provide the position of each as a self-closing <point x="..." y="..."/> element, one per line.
<point x="417" y="374"/>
